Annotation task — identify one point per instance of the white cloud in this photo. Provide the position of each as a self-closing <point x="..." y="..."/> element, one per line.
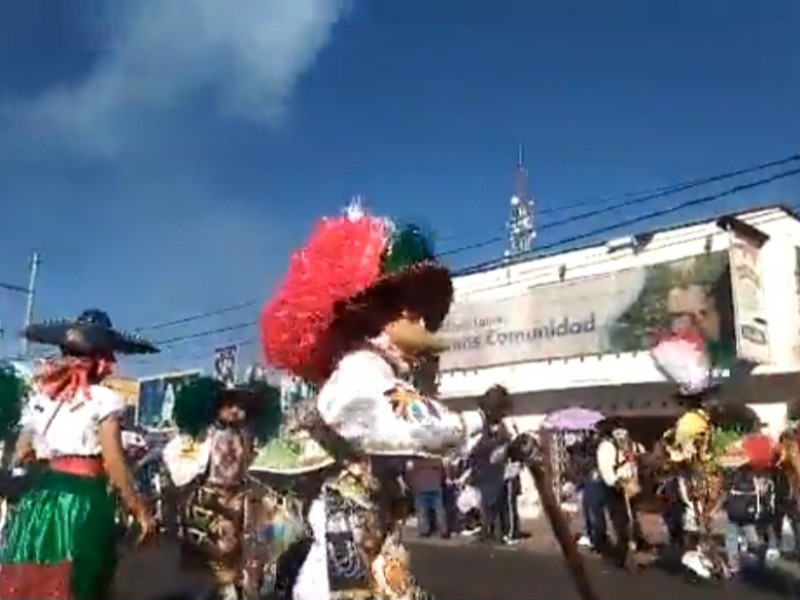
<point x="247" y="54"/>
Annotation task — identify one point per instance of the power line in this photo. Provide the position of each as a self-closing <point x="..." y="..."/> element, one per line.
<point x="633" y="198"/>
<point x="532" y="275"/>
<point x="638" y="219"/>
<point x="197" y="317"/>
<point x="500" y="261"/>
<point x="677" y="187"/>
<point x="538" y="270"/>
<point x="201" y="334"/>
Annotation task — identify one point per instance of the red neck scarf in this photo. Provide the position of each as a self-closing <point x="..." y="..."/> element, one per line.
<point x="62" y="378"/>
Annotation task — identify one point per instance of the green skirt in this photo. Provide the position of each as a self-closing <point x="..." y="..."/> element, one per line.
<point x="60" y="541"/>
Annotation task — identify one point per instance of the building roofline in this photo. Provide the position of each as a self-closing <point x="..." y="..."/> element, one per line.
<point x="790" y="212"/>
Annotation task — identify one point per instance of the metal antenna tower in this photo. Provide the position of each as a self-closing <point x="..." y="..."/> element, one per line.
<point x="521" y="227"/>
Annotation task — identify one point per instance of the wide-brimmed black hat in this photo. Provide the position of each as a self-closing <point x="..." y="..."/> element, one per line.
<point x="609" y="424"/>
<point x="199" y="400"/>
<point x="92" y="332"/>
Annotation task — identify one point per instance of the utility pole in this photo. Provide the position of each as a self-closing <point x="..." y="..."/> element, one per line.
<point x="31" y="293"/>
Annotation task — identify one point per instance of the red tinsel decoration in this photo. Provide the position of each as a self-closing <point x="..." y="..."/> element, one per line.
<point x="341" y="258"/>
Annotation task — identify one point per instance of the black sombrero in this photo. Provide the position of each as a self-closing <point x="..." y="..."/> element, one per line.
<point x="92" y="332"/>
<point x="197" y="403"/>
<point x="609" y="424"/>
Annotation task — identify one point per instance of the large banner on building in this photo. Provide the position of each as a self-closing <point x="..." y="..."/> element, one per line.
<point x="752" y="338"/>
<point x="617" y="312"/>
<point x="157" y="397"/>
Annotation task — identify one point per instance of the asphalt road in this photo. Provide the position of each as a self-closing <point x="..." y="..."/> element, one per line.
<point x="457" y="571"/>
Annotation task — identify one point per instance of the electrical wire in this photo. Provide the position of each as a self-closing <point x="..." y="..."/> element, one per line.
<point x="482" y="266"/>
<point x="629" y="199"/>
<point x="471" y="292"/>
<point x="197" y="317"/>
<point x="485" y="265"/>
<point x="633" y="198"/>
<point x="533" y="275"/>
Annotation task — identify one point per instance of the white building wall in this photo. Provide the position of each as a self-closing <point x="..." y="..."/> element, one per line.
<point x="780" y="286"/>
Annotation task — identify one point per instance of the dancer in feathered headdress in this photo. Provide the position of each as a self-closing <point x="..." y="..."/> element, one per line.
<point x="358" y="309"/>
<point x="218" y="427"/>
<point x="683" y="359"/>
<point x="60" y="542"/>
<point x="692" y="443"/>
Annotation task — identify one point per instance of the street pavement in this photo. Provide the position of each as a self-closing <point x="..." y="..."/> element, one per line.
<point x="462" y="570"/>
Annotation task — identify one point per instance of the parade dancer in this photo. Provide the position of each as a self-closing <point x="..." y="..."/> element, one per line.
<point x="359" y="306"/>
<point x="60" y="542"/>
<point x="617" y="465"/>
<point x="683" y="357"/>
<point x="357" y="311"/>
<point x="208" y="464"/>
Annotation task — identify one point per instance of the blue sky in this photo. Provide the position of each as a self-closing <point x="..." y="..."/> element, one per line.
<point x="165" y="156"/>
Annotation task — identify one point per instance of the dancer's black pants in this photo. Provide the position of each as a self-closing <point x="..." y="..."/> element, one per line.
<point x="622" y="526"/>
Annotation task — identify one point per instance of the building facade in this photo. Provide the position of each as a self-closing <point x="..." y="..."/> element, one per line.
<point x="575" y="328"/>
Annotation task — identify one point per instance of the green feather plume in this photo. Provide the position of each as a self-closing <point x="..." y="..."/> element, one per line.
<point x="13" y="391"/>
<point x="409" y="245"/>
<point x="196" y="404"/>
<point x="268" y="416"/>
<point x="723" y="437"/>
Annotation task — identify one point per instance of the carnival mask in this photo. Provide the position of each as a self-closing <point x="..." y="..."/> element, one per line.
<point x="410" y="336"/>
<point x="231" y="414"/>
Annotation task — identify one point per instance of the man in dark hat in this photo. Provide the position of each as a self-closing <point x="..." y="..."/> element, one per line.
<point x="210" y="457"/>
<point x="488" y="461"/>
<point x="617" y="466"/>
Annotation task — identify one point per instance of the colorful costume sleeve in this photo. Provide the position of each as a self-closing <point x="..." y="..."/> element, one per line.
<point x="367" y="404"/>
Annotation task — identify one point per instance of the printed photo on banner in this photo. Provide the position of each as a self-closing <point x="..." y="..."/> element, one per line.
<point x="618" y="312"/>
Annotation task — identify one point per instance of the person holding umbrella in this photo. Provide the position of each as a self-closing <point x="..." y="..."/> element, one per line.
<point x="60" y="542"/>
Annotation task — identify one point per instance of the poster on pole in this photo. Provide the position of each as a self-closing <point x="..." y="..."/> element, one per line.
<point x="225" y="359"/>
<point x="747" y="290"/>
<point x="256" y="373"/>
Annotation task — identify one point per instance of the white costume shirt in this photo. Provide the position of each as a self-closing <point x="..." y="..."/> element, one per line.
<point x="610" y="464"/>
<point x="74" y="430"/>
<point x="366" y="402"/>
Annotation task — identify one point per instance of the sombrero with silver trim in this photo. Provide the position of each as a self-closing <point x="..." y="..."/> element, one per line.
<point x="91" y="332"/>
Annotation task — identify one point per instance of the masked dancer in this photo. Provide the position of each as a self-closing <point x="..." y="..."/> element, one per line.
<point x="356" y="312"/>
<point x="683" y="357"/>
<point x="60" y="541"/>
<point x="208" y="464"/>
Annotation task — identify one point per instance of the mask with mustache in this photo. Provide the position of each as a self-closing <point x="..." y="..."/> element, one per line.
<point x="409" y="335"/>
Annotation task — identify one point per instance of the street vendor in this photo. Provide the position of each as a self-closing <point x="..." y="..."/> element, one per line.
<point x="209" y="458"/>
<point x="358" y="310"/>
<point x="60" y="542"/>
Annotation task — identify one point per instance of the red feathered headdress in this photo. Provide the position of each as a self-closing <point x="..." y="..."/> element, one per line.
<point x="352" y="266"/>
